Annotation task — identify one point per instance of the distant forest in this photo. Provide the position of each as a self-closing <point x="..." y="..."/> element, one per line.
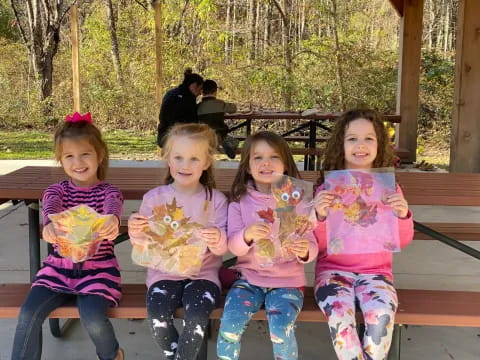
<point x="268" y="54"/>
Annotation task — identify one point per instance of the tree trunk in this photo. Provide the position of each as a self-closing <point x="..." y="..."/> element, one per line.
<point x="39" y="25"/>
<point x="112" y="29"/>
<point x="252" y="4"/>
<point x="338" y="60"/>
<point x="228" y="30"/>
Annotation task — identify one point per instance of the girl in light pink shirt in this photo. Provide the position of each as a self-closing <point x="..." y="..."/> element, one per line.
<point x="359" y="141"/>
<point x="278" y="286"/>
<point x="179" y="205"/>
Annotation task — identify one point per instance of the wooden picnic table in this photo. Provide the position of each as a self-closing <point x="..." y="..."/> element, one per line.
<point x="311" y="121"/>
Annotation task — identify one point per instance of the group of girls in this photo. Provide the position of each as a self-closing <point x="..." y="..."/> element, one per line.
<point x="342" y="281"/>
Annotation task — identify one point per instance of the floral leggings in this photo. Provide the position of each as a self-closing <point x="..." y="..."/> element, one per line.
<point x="282" y="306"/>
<point x="337" y="294"/>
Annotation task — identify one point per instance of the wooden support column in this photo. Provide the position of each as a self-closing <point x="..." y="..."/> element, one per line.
<point x="465" y="144"/>
<point x="157" y="7"/>
<point x="75" y="60"/>
<point x="409" y="75"/>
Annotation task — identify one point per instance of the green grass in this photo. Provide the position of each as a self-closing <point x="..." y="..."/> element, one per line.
<point x="16" y="145"/>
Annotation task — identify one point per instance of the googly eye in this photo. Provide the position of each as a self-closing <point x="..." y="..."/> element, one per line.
<point x="174" y="225"/>
<point x="285" y="197"/>
<point x="167" y="219"/>
<point x="296" y="195"/>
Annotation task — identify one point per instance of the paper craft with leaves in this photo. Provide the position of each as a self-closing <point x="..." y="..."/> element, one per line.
<point x="359" y="211"/>
<point x="173" y="244"/>
<point x="77" y="232"/>
<point x="290" y="218"/>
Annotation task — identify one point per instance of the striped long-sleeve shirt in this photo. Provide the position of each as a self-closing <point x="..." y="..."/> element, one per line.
<point x="99" y="275"/>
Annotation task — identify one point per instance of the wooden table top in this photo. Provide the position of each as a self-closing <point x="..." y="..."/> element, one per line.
<point x="419" y="187"/>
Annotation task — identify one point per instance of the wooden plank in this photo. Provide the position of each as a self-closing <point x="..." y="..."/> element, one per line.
<point x="457" y="231"/>
<point x="465" y="142"/>
<point x="263" y="115"/>
<point x="398" y="6"/>
<point x="409" y="75"/>
<point x="75" y="58"/>
<point x="416" y="307"/>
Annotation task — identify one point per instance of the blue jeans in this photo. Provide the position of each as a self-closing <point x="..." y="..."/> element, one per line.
<point x="282" y="306"/>
<point x="41" y="301"/>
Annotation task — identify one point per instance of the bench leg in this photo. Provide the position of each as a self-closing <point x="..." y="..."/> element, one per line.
<point x="56" y="330"/>
<point x="394" y="353"/>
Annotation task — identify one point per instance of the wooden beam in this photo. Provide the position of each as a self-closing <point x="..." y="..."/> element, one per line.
<point x="398" y="5"/>
<point x="157" y="7"/>
<point x="409" y="75"/>
<point x="75" y="58"/>
<point x="465" y="143"/>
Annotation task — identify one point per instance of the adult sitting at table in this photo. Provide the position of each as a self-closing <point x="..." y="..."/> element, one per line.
<point x="179" y="105"/>
<point x="211" y="111"/>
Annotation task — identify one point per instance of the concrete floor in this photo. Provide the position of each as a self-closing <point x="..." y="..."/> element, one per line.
<point x="421" y="265"/>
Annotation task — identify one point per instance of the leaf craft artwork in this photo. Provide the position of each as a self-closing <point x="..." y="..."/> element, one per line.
<point x="77" y="232"/>
<point x="360" y="220"/>
<point x="290" y="217"/>
<point x="173" y="245"/>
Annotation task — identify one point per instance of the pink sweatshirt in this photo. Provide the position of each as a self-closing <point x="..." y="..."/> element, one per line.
<point x="241" y="215"/>
<point x="193" y="208"/>
<point x="374" y="263"/>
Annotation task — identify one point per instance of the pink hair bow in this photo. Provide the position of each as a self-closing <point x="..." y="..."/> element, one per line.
<point x="76" y="117"/>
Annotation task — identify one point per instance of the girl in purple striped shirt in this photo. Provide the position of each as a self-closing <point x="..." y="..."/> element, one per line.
<point x="95" y="283"/>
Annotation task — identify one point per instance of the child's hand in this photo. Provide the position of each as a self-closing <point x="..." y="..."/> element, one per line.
<point x="137" y="222"/>
<point x="398" y="204"/>
<point x="299" y="248"/>
<point x="49" y="233"/>
<point x="256" y="231"/>
<point x="323" y="201"/>
<point x="110" y="228"/>
<point x="211" y="236"/>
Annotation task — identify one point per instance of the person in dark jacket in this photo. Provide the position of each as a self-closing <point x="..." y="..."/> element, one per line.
<point x="211" y="111"/>
<point x="179" y="105"/>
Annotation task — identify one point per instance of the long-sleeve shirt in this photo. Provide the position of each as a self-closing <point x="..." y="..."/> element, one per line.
<point x="372" y="263"/>
<point x="193" y="207"/>
<point x="211" y="111"/>
<point x="99" y="275"/>
<point x="241" y="215"/>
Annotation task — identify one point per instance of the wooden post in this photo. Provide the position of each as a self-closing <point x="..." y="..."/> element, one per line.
<point x="75" y="61"/>
<point x="465" y="144"/>
<point x="157" y="7"/>
<point x="409" y="75"/>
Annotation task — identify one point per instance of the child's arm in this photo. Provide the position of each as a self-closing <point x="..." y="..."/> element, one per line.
<point x="138" y="221"/>
<point x="236" y="229"/>
<point x="51" y="204"/>
<point x="405" y="223"/>
<point x="216" y="236"/>
<point x="112" y="205"/>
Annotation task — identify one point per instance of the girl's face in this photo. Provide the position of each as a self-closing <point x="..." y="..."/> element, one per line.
<point x="360" y="144"/>
<point x="263" y="163"/>
<point x="187" y="160"/>
<point x="80" y="161"/>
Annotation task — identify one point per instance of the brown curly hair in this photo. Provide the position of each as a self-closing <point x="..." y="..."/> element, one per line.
<point x="278" y="143"/>
<point x="201" y="133"/>
<point x="334" y="155"/>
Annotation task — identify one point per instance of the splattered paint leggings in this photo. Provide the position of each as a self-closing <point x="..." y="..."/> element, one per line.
<point x="198" y="298"/>
<point x="336" y="295"/>
<point x="282" y="306"/>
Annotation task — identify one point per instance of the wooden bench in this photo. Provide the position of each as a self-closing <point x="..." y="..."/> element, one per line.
<point x="416" y="307"/>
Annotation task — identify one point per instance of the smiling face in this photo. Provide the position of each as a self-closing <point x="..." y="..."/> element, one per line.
<point x="187" y="159"/>
<point x="263" y="163"/>
<point x="360" y="144"/>
<point x="80" y="161"/>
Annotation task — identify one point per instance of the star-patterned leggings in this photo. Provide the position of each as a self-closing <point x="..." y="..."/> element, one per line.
<point x="198" y="298"/>
<point x="282" y="306"/>
<point x="336" y="295"/>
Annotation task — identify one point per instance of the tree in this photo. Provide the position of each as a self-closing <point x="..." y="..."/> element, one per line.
<point x="39" y="24"/>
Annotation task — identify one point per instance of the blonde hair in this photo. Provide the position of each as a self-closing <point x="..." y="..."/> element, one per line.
<point x="83" y="130"/>
<point x="197" y="132"/>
